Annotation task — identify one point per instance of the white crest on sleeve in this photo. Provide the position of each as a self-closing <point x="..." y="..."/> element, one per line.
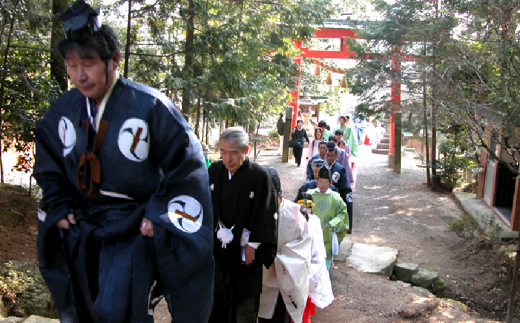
<point x="212" y="187"/>
<point x="186" y="213"/>
<point x="275" y="215"/>
<point x="251" y="195"/>
<point x="350" y="197"/>
<point x="67" y="135"/>
<point x="335" y="177"/>
<point x="134" y="140"/>
<point x="42" y="215"/>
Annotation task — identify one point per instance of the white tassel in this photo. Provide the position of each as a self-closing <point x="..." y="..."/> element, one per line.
<point x="224" y="235"/>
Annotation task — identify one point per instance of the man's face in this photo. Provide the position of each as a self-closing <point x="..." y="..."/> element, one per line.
<point x="88" y="73"/>
<point x="323" y="150"/>
<point x="338" y="137"/>
<point x="342" y="122"/>
<point x="331" y="157"/>
<point x="323" y="184"/>
<point x="232" y="156"/>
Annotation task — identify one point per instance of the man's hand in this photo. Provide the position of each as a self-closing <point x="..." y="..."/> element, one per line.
<point x="65" y="222"/>
<point x="250" y="255"/>
<point x="147" y="228"/>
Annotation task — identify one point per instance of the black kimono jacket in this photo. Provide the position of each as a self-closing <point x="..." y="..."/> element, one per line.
<point x="146" y="162"/>
<point x="248" y="201"/>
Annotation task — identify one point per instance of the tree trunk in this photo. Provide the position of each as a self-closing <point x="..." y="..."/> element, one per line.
<point x="2" y="93"/>
<point x="188" y="61"/>
<point x="514" y="283"/>
<point x="435" y="179"/>
<point x="207" y="127"/>
<point x="197" y="122"/>
<point x="425" y="112"/>
<point x="204" y="125"/>
<point x="128" y="37"/>
<point x="58" y="70"/>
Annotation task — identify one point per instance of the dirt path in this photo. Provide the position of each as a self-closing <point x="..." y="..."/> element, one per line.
<point x="400" y="211"/>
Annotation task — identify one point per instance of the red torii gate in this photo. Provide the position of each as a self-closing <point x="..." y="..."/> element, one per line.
<point x="344" y="53"/>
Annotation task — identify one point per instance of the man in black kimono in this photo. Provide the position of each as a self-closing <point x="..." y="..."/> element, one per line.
<point x="244" y="207"/>
<point x="126" y="204"/>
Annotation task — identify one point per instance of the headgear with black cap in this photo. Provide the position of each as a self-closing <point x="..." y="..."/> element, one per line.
<point x="80" y="16"/>
<point x="324" y="173"/>
<point x="84" y="33"/>
<point x="318" y="162"/>
<point x="331" y="146"/>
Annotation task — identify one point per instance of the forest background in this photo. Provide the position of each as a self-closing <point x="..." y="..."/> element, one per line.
<point x="232" y="62"/>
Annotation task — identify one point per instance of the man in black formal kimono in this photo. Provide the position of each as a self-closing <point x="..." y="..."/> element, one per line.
<point x="244" y="206"/>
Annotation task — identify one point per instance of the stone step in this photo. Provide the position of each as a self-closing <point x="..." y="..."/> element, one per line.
<point x="385" y="140"/>
<point x="381" y="151"/>
<point x="383" y="146"/>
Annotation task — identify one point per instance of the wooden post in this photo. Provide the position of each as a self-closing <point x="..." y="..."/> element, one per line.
<point x="287" y="133"/>
<point x="397" y="142"/>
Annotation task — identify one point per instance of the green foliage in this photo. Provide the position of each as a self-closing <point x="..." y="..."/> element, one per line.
<point x="237" y="64"/>
<point x="274" y="134"/>
<point x="26" y="85"/>
<point x="438" y="286"/>
<point x="23" y="289"/>
<point x="316" y="85"/>
<point x="454" y="163"/>
<point x="465" y="227"/>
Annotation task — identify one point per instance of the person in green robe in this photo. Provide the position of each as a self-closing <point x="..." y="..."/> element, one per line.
<point x="348" y="135"/>
<point x="332" y="211"/>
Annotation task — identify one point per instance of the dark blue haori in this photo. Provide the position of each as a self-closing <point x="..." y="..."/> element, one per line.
<point x="144" y="161"/>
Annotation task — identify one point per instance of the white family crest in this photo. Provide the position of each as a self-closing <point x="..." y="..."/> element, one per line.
<point x="67" y="135"/>
<point x="335" y="177"/>
<point x="134" y="140"/>
<point x="186" y="213"/>
<point x="251" y="195"/>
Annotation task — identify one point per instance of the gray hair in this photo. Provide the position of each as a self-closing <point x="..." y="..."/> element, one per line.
<point x="236" y="136"/>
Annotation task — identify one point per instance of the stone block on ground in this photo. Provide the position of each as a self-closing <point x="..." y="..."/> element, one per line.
<point x="422" y="291"/>
<point x="372" y="259"/>
<point x="39" y="319"/>
<point x="345" y="249"/>
<point x="424" y="278"/>
<point x="403" y="271"/>
<point x="11" y="319"/>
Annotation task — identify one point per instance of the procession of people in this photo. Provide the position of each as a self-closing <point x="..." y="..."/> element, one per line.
<point x="134" y="210"/>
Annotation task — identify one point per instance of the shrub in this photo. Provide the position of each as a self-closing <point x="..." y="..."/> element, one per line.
<point x="454" y="164"/>
<point x="465" y="227"/>
<point x="274" y="134"/>
<point x="23" y="290"/>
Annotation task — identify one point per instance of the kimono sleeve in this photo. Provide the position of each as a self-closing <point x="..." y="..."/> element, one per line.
<point x="59" y="194"/>
<point x="182" y="215"/>
<point x="266" y="252"/>
<point x="348" y="170"/>
<point x="310" y="174"/>
<point x="340" y="221"/>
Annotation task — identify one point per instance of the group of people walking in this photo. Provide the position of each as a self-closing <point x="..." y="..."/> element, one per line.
<point x="132" y="212"/>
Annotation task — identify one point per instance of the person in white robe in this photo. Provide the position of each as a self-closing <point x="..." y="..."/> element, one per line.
<point x="299" y="269"/>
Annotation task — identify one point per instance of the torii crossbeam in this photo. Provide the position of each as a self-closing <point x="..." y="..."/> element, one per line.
<point x="344" y="53"/>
